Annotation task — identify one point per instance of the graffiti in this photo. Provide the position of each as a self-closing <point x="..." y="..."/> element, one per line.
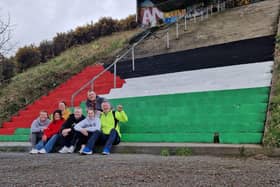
<point x="150" y="16"/>
<point x="171" y="17"/>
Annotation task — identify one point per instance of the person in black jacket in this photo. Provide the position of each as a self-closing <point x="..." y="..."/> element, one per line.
<point x="68" y="136"/>
<point x="94" y="101"/>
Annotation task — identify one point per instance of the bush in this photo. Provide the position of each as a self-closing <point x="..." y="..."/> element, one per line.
<point x="27" y="56"/>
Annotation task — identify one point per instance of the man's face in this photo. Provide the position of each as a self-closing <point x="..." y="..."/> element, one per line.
<point x="61" y="106"/>
<point x="43" y="116"/>
<point x="91" y="96"/>
<point x="106" y="107"/>
<point x="78" y="114"/>
<point x="90" y="113"/>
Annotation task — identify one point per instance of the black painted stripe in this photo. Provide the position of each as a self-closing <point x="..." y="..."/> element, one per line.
<point x="233" y="53"/>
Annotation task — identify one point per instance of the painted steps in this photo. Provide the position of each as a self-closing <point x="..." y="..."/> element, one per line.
<point x="190" y="96"/>
<point x="64" y="92"/>
<point x="237" y="115"/>
<point x="193" y="95"/>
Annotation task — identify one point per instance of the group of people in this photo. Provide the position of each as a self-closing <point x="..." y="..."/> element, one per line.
<point x="68" y="133"/>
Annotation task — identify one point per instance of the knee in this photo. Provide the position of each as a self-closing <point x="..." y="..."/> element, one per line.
<point x="113" y="131"/>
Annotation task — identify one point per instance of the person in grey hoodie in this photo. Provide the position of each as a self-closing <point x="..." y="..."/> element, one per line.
<point x="37" y="128"/>
<point x="88" y="127"/>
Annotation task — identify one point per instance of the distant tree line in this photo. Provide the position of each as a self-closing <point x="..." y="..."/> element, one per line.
<point x="32" y="55"/>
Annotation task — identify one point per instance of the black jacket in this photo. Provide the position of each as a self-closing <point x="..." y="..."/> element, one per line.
<point x="71" y="121"/>
<point x="96" y="104"/>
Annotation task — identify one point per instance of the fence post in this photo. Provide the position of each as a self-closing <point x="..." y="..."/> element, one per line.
<point x="185" y="23"/>
<point x="133" y="58"/>
<point x="167" y="39"/>
<point x="207" y="12"/>
<point x="177" y="30"/>
<point x="194" y="17"/>
<point x="115" y="75"/>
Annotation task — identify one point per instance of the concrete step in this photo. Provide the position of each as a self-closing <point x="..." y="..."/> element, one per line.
<point x="172" y="148"/>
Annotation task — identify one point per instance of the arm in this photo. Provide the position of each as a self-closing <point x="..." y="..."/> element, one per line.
<point x="80" y="125"/>
<point x="121" y="116"/>
<point x="93" y="128"/>
<point x="35" y="127"/>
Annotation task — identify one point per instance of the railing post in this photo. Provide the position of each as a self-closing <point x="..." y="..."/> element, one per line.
<point x="167" y="39"/>
<point x="194" y="17"/>
<point x="92" y="85"/>
<point x="185" y="23"/>
<point x="115" y="75"/>
<point x="211" y="9"/>
<point x="218" y="6"/>
<point x="177" y="30"/>
<point x="201" y="16"/>
<point x="133" y="58"/>
<point x="207" y="12"/>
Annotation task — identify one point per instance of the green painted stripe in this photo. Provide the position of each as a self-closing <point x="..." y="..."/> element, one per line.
<point x="14" y="138"/>
<point x="163" y="118"/>
<point x="190" y="128"/>
<point x="22" y="131"/>
<point x="229" y="138"/>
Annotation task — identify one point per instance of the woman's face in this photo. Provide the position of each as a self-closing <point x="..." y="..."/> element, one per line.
<point x="57" y="116"/>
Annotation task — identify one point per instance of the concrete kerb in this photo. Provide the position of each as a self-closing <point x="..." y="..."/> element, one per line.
<point x="157" y="148"/>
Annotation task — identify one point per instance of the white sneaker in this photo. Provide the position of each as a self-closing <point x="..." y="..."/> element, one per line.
<point x="43" y="151"/>
<point x="71" y="149"/>
<point x="82" y="147"/>
<point x="34" y="151"/>
<point x="64" y="149"/>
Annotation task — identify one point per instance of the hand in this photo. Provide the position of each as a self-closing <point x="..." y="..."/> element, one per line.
<point x="44" y="138"/>
<point x="119" y="108"/>
<point x="65" y="132"/>
<point x="84" y="132"/>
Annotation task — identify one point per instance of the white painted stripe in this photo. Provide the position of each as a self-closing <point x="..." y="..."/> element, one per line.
<point x="223" y="78"/>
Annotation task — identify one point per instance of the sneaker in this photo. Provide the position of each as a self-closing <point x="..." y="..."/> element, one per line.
<point x="64" y="149"/>
<point x="43" y="151"/>
<point x="34" y="151"/>
<point x="106" y="151"/>
<point x="86" y="151"/>
<point x="82" y="147"/>
<point x="71" y="149"/>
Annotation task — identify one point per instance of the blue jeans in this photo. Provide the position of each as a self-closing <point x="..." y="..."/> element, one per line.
<point x="48" y="145"/>
<point x="108" y="140"/>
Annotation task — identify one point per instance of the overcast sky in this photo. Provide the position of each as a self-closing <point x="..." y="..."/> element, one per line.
<point x="37" y="20"/>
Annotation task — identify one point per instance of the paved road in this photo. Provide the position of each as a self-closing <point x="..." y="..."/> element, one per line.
<point x="22" y="169"/>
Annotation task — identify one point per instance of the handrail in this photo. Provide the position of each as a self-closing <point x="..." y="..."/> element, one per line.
<point x="106" y="69"/>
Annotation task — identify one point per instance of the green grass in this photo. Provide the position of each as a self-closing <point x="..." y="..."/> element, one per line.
<point x="272" y="133"/>
<point x="28" y="86"/>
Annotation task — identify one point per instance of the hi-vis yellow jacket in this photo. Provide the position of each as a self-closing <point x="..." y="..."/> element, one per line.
<point x="108" y="121"/>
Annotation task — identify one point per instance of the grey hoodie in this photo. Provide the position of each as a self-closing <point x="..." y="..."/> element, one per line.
<point x="89" y="124"/>
<point x="38" y="126"/>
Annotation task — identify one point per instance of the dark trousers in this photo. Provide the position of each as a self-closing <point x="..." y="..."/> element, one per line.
<point x="98" y="137"/>
<point x="71" y="139"/>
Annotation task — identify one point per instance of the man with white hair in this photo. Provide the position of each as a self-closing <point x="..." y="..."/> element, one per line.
<point x="110" y="129"/>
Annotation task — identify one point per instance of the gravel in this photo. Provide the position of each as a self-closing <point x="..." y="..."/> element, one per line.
<point x="22" y="169"/>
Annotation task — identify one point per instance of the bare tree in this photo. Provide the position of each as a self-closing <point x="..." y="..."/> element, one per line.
<point x="5" y="36"/>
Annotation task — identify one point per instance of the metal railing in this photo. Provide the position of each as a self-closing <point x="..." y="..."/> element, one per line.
<point x="91" y="82"/>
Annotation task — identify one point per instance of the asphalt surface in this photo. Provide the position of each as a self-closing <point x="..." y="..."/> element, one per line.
<point x="22" y="169"/>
